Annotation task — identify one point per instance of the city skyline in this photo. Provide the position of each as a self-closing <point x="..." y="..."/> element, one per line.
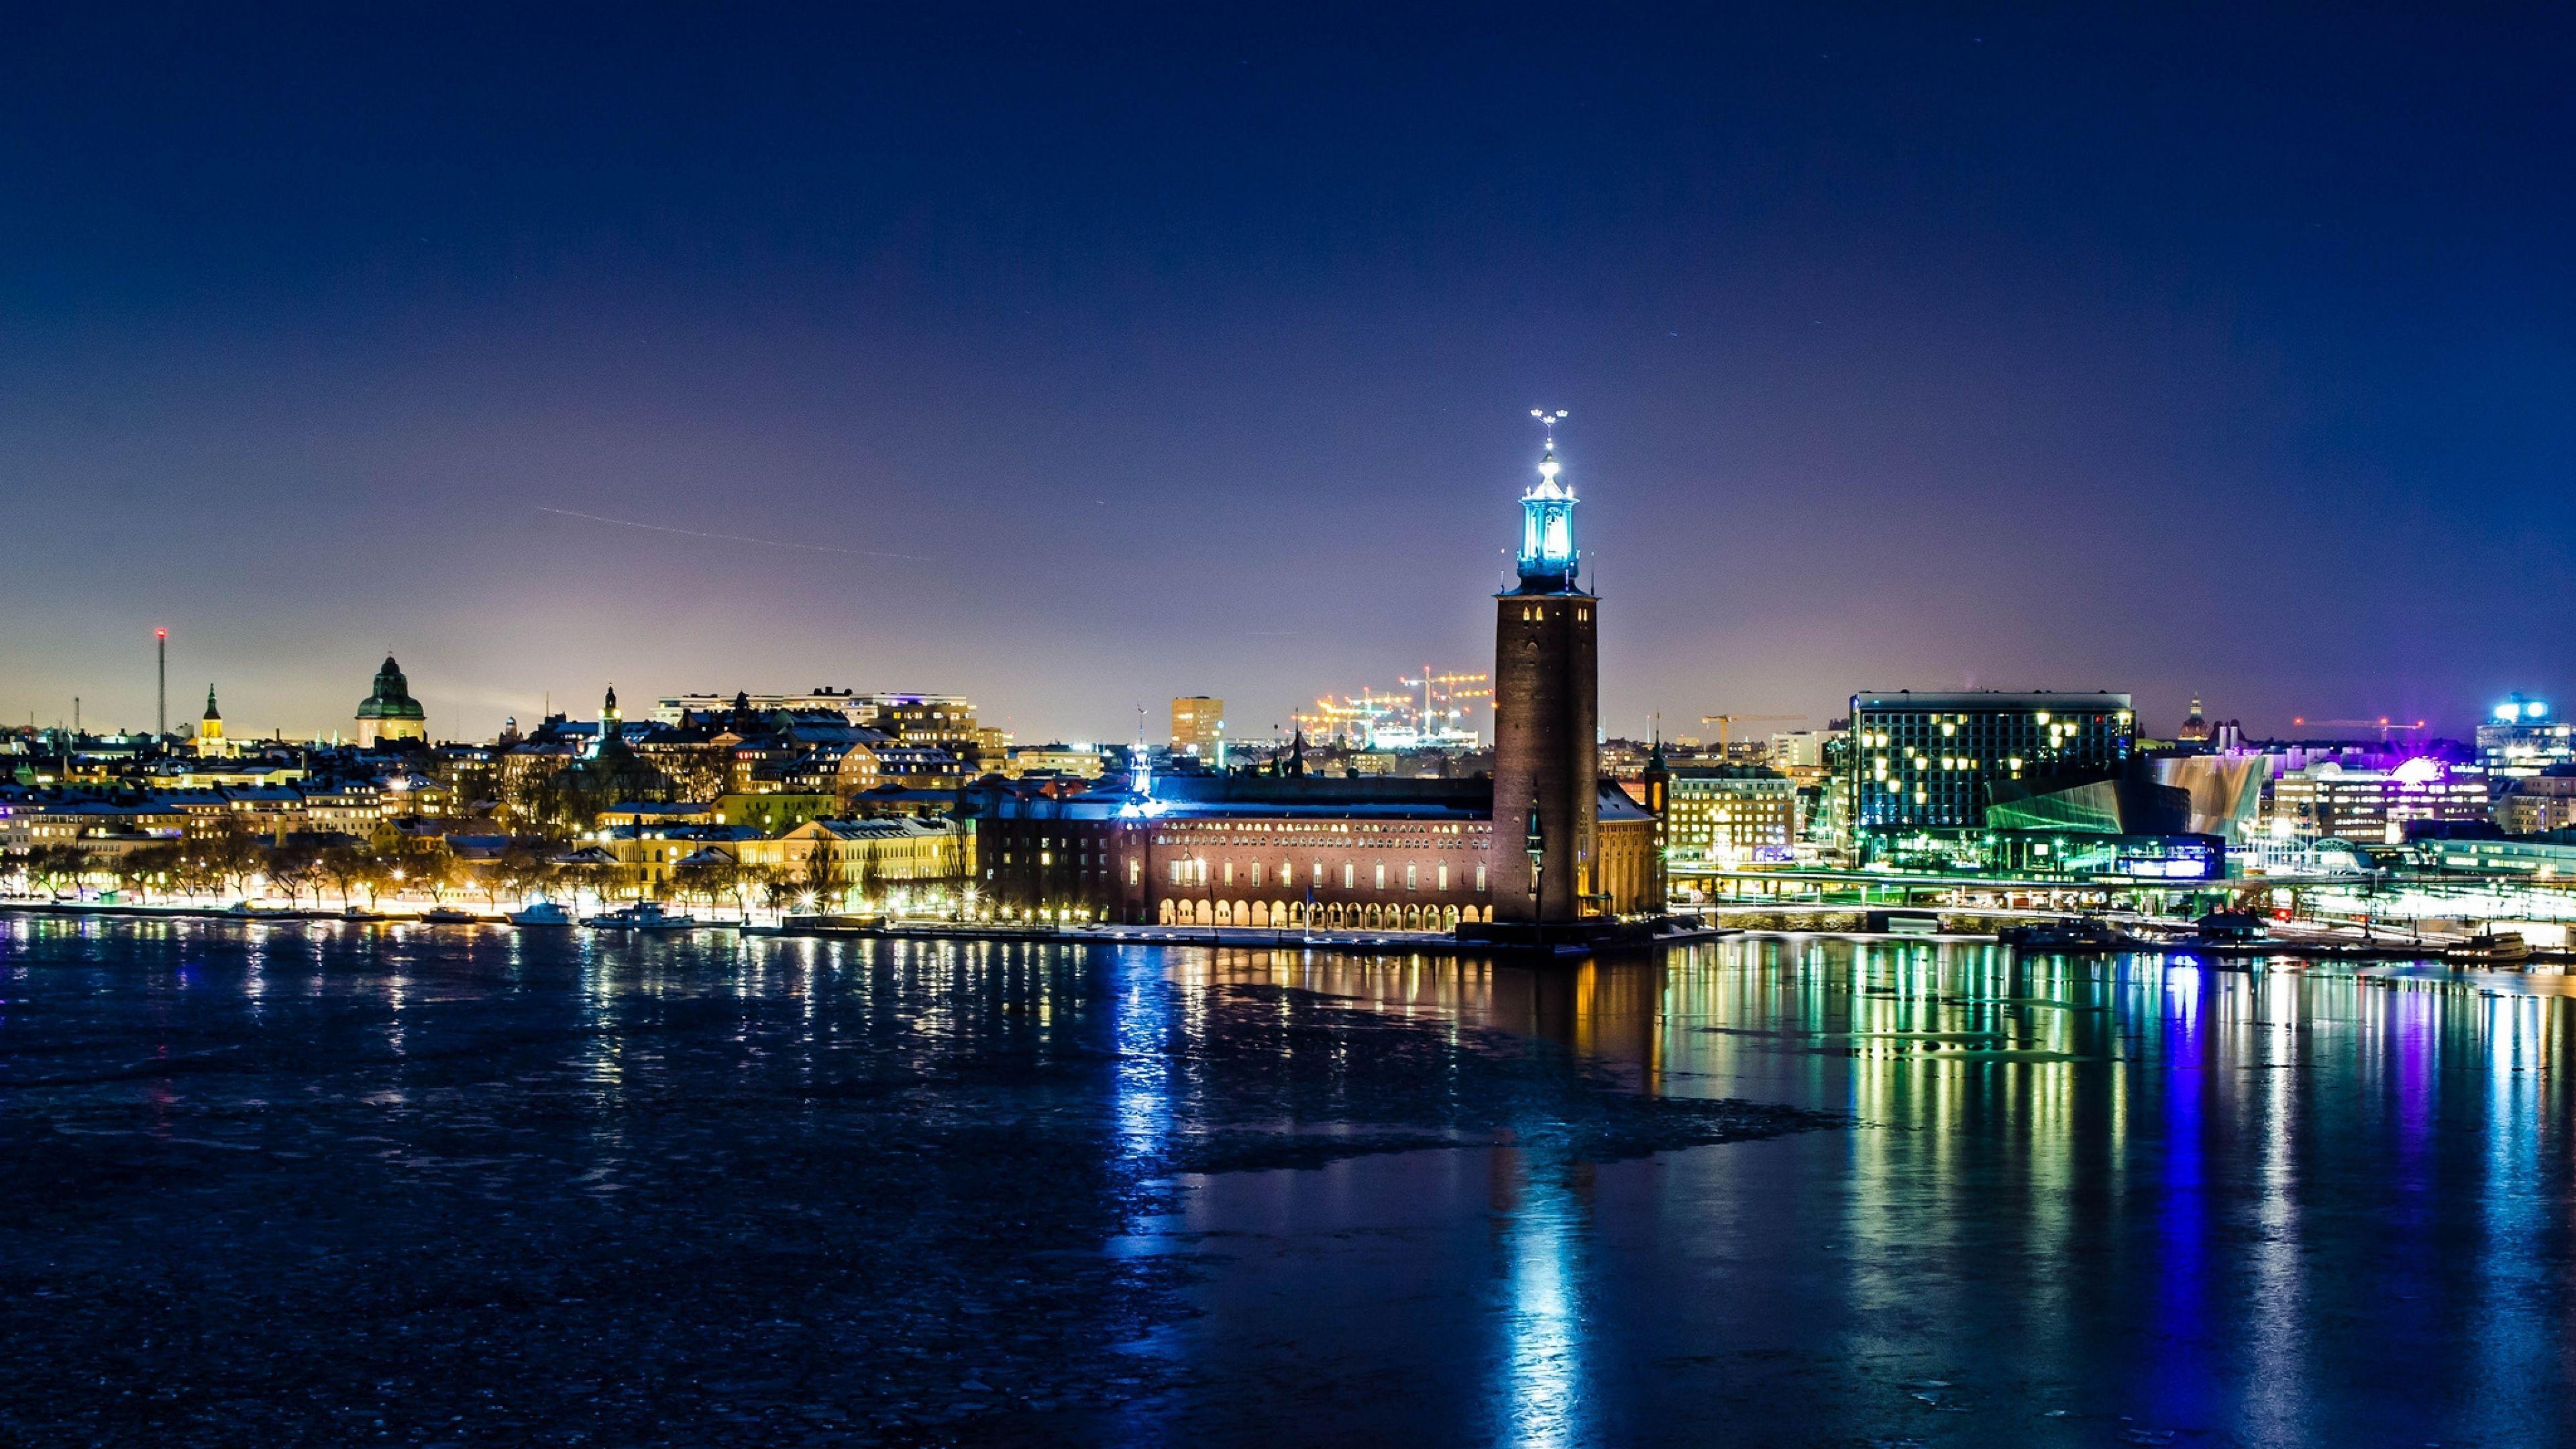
<point x="1006" y="358"/>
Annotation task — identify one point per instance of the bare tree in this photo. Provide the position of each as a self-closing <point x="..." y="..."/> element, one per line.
<point x="295" y="869"/>
<point x="144" y="869"/>
<point x="345" y="865"/>
<point x="821" y="874"/>
<point x="54" y="866"/>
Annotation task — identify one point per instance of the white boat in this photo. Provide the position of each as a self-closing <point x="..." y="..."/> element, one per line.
<point x="2490" y="948"/>
<point x="447" y="916"/>
<point x="543" y="913"/>
<point x="646" y="916"/>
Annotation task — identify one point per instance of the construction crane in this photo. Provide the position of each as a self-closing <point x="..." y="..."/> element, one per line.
<point x="2383" y="724"/>
<point x="1723" y="720"/>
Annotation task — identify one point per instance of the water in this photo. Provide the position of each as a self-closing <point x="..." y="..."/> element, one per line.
<point x="285" y="1184"/>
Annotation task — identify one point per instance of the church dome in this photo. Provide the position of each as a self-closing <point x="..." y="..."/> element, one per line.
<point x="392" y="699"/>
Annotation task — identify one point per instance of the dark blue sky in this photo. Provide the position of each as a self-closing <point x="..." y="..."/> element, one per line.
<point x="1175" y="352"/>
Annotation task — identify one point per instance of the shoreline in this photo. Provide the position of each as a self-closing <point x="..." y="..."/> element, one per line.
<point x="841" y="929"/>
<point x="1247" y="937"/>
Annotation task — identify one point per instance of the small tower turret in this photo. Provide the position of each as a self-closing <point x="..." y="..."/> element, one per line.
<point x="611" y="723"/>
<point x="210" y="731"/>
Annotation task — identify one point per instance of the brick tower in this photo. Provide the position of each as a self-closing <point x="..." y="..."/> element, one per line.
<point x="1546" y="714"/>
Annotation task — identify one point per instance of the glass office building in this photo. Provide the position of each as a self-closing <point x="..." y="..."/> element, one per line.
<point x="1926" y="761"/>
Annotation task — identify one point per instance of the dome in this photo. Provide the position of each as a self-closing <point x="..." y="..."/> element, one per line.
<point x="392" y="698"/>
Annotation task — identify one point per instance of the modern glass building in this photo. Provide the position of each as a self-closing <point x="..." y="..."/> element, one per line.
<point x="1926" y="761"/>
<point x="2520" y="739"/>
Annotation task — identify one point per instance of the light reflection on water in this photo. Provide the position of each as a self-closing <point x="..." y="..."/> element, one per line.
<point x="2083" y="1202"/>
<point x="1539" y="1374"/>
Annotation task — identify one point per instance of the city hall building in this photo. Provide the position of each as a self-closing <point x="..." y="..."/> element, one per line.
<point x="1544" y="838"/>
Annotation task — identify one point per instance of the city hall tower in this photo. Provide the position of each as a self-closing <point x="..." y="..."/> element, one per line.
<point x="1546" y="716"/>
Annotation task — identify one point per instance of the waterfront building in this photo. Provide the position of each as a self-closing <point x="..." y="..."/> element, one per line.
<point x="1249" y="850"/>
<point x="850" y="861"/>
<point x="2521" y="738"/>
<point x="2372" y="807"/>
<point x="1544" y="837"/>
<point x="2547" y="857"/>
<point x="389" y="715"/>
<point x="2531" y="804"/>
<point x="647" y="854"/>
<point x="1731" y="814"/>
<point x="1198" y="728"/>
<point x="1929" y="761"/>
<point x="2225" y="791"/>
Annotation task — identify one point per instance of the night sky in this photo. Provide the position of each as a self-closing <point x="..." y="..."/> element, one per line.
<point x="1088" y="357"/>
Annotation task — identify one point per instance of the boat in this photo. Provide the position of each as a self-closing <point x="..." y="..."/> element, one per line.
<point x="2229" y="928"/>
<point x="447" y="916"/>
<point x="359" y="913"/>
<point x="251" y="908"/>
<point x="644" y="916"/>
<point x="2490" y="948"/>
<point x="2078" y="936"/>
<point x="543" y="913"/>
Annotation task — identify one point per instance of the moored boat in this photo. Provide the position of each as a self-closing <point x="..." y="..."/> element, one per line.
<point x="2490" y="948"/>
<point x="643" y="916"/>
<point x="2229" y="928"/>
<point x="2078" y="936"/>
<point x="447" y="916"/>
<point x="542" y="913"/>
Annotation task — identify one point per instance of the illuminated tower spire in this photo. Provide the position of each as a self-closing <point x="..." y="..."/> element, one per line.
<point x="1547" y="762"/>
<point x="1548" y="558"/>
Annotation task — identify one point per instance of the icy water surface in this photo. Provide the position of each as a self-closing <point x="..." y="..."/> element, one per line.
<point x="2084" y="1203"/>
<point x="325" y="1184"/>
<point x="269" y="1184"/>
